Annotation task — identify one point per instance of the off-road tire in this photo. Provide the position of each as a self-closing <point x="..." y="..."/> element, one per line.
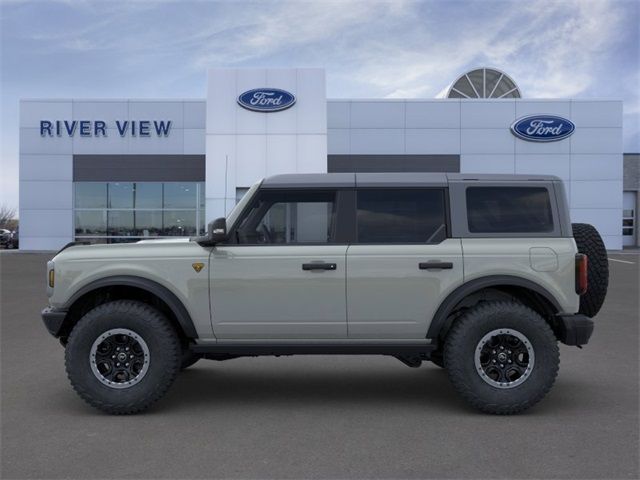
<point x="590" y="243"/>
<point x="164" y="356"/>
<point x="437" y="359"/>
<point x="188" y="358"/>
<point x="462" y="341"/>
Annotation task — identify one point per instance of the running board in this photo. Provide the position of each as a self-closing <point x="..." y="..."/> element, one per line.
<point x="420" y="349"/>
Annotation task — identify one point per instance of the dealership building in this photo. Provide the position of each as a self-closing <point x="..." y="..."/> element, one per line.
<point x="115" y="170"/>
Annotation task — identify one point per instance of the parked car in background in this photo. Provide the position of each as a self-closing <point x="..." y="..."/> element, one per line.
<point x="14" y="239"/>
<point x="5" y="236"/>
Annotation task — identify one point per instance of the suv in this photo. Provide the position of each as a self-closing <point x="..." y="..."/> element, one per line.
<point x="480" y="274"/>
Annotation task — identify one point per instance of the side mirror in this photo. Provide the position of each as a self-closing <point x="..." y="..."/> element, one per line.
<point x="217" y="230"/>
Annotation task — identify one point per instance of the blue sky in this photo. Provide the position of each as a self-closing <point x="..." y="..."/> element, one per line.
<point x="89" y="49"/>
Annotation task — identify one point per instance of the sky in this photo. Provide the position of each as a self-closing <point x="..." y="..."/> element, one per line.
<point x="370" y="49"/>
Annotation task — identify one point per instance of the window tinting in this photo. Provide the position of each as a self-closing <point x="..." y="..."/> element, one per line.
<point x="401" y="216"/>
<point x="289" y="218"/>
<point x="509" y="210"/>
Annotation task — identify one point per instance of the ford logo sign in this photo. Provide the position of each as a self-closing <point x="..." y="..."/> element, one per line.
<point x="542" y="128"/>
<point x="266" y="100"/>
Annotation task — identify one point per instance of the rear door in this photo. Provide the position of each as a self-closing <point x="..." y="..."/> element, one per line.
<point x="402" y="263"/>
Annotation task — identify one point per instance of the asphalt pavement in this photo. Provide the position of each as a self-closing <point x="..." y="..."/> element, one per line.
<point x="317" y="416"/>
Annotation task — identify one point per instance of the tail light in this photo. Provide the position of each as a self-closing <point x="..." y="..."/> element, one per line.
<point x="582" y="281"/>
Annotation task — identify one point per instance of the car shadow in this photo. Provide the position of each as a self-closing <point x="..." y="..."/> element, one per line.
<point x="219" y="387"/>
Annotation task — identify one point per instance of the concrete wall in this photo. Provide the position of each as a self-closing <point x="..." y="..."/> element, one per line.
<point x="46" y="162"/>
<point x="244" y="146"/>
<point x="589" y="161"/>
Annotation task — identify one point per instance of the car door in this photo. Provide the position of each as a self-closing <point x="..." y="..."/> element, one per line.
<point x="402" y="263"/>
<point x="283" y="276"/>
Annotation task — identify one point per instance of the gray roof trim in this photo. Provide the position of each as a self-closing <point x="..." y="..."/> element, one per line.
<point x="307" y="180"/>
<point x="393" y="179"/>
<point x="495" y="177"/>
<point x="404" y="179"/>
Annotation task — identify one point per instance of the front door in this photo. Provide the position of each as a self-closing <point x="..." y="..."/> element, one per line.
<point x="282" y="276"/>
<point x="402" y="263"/>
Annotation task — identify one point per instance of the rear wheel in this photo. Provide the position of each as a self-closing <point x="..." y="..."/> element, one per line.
<point x="502" y="357"/>
<point x="437" y="359"/>
<point x="122" y="356"/>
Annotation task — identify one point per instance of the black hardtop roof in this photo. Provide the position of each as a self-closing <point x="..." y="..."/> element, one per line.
<point x="392" y="179"/>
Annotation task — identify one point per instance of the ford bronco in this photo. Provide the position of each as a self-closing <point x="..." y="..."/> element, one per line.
<point x="482" y="275"/>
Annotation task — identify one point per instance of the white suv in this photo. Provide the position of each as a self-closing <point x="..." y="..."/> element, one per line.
<point x="480" y="274"/>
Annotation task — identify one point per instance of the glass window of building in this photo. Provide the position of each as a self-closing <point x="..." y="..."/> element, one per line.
<point x="180" y="195"/>
<point x="148" y="195"/>
<point x="120" y="195"/>
<point x="90" y="195"/>
<point x="484" y="83"/>
<point x="110" y="212"/>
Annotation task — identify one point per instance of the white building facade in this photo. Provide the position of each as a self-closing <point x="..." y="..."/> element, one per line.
<point x="122" y="170"/>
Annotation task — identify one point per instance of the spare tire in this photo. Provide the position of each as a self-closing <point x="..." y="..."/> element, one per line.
<point x="590" y="243"/>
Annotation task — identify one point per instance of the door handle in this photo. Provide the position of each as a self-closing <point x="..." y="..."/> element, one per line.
<point x="435" y="265"/>
<point x="319" y="266"/>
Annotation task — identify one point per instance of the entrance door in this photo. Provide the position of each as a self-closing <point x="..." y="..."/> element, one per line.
<point x="284" y="277"/>
<point x="629" y="218"/>
<point x="402" y="263"/>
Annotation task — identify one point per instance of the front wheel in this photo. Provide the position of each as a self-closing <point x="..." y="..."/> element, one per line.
<point x="188" y="358"/>
<point x="502" y="357"/>
<point x="122" y="356"/>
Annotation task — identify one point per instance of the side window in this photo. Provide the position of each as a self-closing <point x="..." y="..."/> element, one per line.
<point x="289" y="217"/>
<point x="509" y="210"/>
<point x="401" y="215"/>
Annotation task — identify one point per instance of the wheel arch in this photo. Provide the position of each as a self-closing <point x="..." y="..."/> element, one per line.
<point x="531" y="293"/>
<point x="132" y="287"/>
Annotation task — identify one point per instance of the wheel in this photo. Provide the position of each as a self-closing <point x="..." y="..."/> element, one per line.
<point x="188" y="358"/>
<point x="502" y="357"/>
<point x="437" y="359"/>
<point x="122" y="356"/>
<point x="590" y="243"/>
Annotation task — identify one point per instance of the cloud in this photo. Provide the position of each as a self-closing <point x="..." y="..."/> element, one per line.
<point x="375" y="49"/>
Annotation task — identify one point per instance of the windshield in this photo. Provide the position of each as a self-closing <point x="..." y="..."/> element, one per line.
<point x="233" y="215"/>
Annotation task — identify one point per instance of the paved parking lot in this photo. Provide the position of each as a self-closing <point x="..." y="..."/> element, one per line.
<point x="317" y="417"/>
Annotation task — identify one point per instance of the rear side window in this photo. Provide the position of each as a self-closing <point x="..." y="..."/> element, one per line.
<point x="401" y="216"/>
<point x="509" y="210"/>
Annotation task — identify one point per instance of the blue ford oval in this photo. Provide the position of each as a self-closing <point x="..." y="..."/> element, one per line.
<point x="266" y="99"/>
<point x="542" y="128"/>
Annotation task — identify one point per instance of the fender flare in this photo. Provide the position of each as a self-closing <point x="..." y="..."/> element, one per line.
<point x="460" y="293"/>
<point x="160" y="291"/>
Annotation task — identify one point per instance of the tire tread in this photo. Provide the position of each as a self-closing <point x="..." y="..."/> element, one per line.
<point x="162" y="326"/>
<point x="455" y="342"/>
